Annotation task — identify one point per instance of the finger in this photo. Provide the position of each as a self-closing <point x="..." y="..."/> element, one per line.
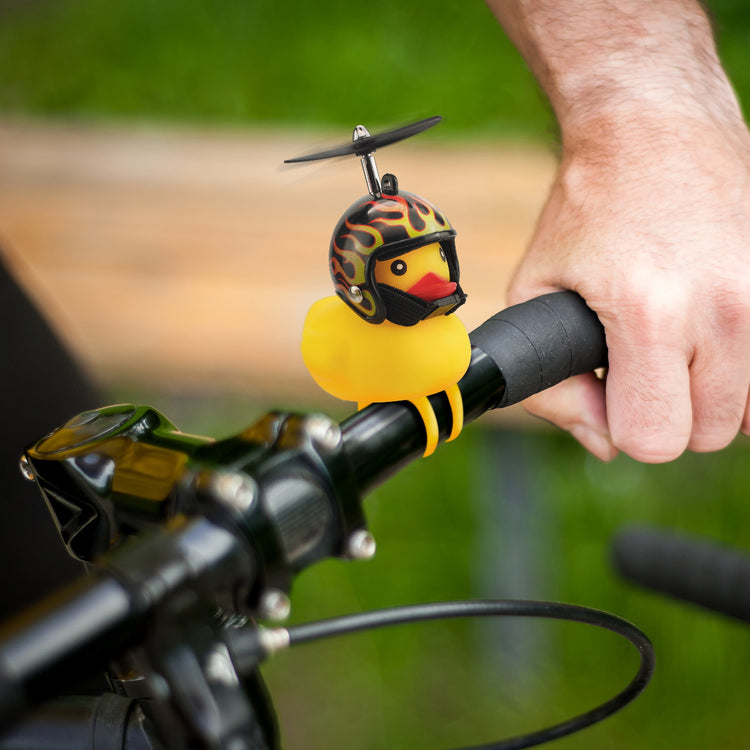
<point x="578" y="406"/>
<point x="719" y="397"/>
<point x="649" y="408"/>
<point x="720" y="378"/>
<point x="745" y="427"/>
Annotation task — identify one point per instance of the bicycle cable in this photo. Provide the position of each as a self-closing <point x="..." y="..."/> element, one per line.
<point x="248" y="645"/>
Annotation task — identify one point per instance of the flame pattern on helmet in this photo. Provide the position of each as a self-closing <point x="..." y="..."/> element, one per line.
<point x="372" y="228"/>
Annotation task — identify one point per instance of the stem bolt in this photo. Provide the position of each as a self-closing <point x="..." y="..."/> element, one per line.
<point x="236" y="490"/>
<point x="275" y="605"/>
<point x="361" y="545"/>
<point x="324" y="432"/>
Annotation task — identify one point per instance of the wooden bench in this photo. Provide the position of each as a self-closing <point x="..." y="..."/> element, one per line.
<point x="187" y="260"/>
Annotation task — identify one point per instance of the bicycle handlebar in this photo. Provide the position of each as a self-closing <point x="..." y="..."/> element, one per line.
<point x="520" y="351"/>
<point x="696" y="571"/>
<point x="79" y="629"/>
<point x="542" y="342"/>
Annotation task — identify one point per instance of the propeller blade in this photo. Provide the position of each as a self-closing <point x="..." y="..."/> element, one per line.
<point x="369" y="143"/>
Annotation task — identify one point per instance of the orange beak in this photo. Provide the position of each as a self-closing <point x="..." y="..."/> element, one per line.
<point x="431" y="287"/>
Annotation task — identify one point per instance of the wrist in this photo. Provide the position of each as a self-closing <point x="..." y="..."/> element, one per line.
<point x="618" y="109"/>
<point x="609" y="65"/>
<point x="645" y="138"/>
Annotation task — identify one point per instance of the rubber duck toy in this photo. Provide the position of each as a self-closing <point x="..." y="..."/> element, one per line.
<point x="389" y="334"/>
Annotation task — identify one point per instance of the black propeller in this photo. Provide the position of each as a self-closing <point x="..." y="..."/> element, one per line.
<point x="366" y="144"/>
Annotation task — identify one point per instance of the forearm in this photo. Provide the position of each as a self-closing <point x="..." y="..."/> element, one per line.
<point x="607" y="64"/>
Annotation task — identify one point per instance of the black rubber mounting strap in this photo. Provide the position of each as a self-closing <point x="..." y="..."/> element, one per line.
<point x="542" y="342"/>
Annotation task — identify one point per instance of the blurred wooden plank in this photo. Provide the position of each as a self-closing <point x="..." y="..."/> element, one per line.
<point x="182" y="259"/>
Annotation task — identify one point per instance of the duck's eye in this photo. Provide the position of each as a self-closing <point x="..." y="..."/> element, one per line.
<point x="442" y="254"/>
<point x="398" y="268"/>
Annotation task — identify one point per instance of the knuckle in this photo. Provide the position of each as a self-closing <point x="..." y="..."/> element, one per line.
<point x="646" y="315"/>
<point x="733" y="312"/>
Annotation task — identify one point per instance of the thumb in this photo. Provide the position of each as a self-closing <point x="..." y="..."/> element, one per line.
<point x="577" y="405"/>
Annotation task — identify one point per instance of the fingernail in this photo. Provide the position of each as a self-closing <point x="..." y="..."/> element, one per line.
<point x="594" y="441"/>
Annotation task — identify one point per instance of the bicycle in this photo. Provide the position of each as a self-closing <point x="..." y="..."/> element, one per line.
<point x="177" y="528"/>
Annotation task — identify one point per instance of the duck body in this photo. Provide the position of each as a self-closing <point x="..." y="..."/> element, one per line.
<point x="389" y="333"/>
<point x="357" y="361"/>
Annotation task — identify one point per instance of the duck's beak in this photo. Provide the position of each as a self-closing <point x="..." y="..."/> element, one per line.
<point x="431" y="287"/>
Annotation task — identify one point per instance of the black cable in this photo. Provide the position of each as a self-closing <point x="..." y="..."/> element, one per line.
<point x="339" y="626"/>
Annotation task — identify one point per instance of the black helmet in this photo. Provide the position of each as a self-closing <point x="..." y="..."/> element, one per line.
<point x="385" y="227"/>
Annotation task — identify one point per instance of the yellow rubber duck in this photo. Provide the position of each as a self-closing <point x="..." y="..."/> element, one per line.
<point x="389" y="334"/>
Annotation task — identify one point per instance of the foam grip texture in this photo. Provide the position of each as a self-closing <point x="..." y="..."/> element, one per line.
<point x="542" y="342"/>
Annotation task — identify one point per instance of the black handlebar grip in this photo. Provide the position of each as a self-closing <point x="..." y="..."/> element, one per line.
<point x="696" y="571"/>
<point x="542" y="342"/>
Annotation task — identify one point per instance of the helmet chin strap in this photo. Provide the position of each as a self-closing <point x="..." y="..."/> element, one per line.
<point x="406" y="309"/>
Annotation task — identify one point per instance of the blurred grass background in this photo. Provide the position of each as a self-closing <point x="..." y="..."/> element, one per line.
<point x="496" y="514"/>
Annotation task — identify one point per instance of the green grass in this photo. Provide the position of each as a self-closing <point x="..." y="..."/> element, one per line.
<point x="246" y="62"/>
<point x="732" y="24"/>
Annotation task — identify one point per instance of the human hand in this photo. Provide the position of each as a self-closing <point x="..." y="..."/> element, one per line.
<point x="649" y="221"/>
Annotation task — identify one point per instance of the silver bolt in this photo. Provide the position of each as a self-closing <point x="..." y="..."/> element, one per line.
<point x="361" y="545"/>
<point x="355" y="294"/>
<point x="324" y="432"/>
<point x="25" y="466"/>
<point x="273" y="639"/>
<point x="275" y="605"/>
<point x="237" y="490"/>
